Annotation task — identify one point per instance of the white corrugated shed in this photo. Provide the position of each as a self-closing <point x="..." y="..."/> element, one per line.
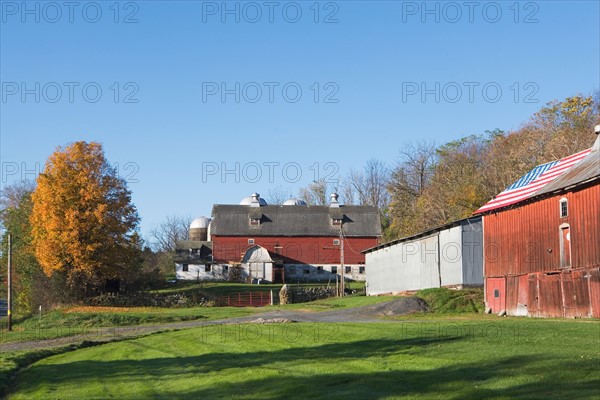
<point x="447" y="256"/>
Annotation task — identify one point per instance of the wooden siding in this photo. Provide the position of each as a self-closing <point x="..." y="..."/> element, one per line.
<point x="294" y="250"/>
<point x="570" y="294"/>
<point x="526" y="239"/>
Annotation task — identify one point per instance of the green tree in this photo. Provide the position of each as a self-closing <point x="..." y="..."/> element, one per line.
<point x="28" y="280"/>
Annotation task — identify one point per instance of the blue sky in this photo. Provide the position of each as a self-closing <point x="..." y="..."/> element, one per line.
<point x="386" y="73"/>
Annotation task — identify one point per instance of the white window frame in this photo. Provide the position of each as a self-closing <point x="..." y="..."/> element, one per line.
<point x="562" y="201"/>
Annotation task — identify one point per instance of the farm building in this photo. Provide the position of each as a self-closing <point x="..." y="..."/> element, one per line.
<point x="447" y="256"/>
<point x="542" y="241"/>
<point x="193" y="258"/>
<point x="284" y="243"/>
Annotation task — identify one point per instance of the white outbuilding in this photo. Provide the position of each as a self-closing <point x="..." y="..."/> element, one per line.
<point x="447" y="256"/>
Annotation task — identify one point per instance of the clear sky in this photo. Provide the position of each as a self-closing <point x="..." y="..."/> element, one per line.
<point x="178" y="91"/>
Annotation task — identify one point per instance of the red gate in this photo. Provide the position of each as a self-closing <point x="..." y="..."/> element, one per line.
<point x="248" y="299"/>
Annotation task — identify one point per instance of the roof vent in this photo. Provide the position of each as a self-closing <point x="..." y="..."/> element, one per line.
<point x="255" y="200"/>
<point x="334" y="200"/>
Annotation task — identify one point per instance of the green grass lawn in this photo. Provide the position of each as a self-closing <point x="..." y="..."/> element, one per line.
<point x="476" y="359"/>
<point x="81" y="320"/>
<point x="337" y="303"/>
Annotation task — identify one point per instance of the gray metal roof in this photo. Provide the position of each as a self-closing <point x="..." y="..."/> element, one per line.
<point x="584" y="171"/>
<point x="200" y="254"/>
<point x="233" y="220"/>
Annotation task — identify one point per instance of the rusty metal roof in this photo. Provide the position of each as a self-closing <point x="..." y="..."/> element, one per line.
<point x="585" y="171"/>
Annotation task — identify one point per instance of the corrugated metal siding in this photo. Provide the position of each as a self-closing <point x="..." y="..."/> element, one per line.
<point x="472" y="253"/>
<point x="404" y="266"/>
<point x="526" y="239"/>
<point x="450" y="256"/>
<point x="454" y="253"/>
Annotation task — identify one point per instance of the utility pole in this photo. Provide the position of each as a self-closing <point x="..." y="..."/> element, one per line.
<point x="343" y="283"/>
<point x="9" y="297"/>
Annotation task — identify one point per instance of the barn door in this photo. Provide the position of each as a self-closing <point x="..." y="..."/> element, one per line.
<point x="257" y="270"/>
<point x="565" y="246"/>
<point x="496" y="294"/>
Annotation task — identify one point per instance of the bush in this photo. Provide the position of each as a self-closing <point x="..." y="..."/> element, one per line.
<point x="446" y="301"/>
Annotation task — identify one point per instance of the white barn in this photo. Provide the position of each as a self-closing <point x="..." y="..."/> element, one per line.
<point x="447" y="256"/>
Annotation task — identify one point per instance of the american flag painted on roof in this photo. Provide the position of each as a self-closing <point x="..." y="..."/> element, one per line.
<point x="533" y="181"/>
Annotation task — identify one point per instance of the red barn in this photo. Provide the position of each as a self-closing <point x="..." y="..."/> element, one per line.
<point x="542" y="241"/>
<point x="294" y="242"/>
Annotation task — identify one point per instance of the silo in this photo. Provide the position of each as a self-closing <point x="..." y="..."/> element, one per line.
<point x="199" y="229"/>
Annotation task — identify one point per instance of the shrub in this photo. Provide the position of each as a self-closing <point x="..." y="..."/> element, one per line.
<point x="446" y="301"/>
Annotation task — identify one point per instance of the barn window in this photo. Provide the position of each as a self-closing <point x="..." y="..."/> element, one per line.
<point x="361" y="270"/>
<point x="250" y="241"/>
<point x="319" y="270"/>
<point x="184" y="268"/>
<point x="334" y="269"/>
<point x="348" y="270"/>
<point x="336" y="242"/>
<point x="225" y="268"/>
<point x="306" y="270"/>
<point x="564" y="208"/>
<point x="254" y="222"/>
<point x="207" y="268"/>
<point x="496" y="293"/>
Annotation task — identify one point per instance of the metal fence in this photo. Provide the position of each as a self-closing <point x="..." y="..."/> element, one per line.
<point x="248" y="299"/>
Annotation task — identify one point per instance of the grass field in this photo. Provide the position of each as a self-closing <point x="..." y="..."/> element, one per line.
<point x="79" y="320"/>
<point x="476" y="359"/>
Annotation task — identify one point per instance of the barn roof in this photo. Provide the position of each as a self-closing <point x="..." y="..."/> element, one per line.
<point x="200" y="254"/>
<point x="585" y="171"/>
<point x="234" y="220"/>
<point x="549" y="177"/>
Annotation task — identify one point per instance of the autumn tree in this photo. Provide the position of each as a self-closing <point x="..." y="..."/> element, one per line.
<point x="564" y="127"/>
<point x="84" y="225"/>
<point x="456" y="187"/>
<point x="407" y="184"/>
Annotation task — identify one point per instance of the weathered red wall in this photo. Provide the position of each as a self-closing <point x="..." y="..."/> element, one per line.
<point x="296" y="250"/>
<point x="518" y="263"/>
<point x="516" y="241"/>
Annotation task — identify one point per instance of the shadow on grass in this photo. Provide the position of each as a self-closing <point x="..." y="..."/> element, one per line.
<point x="285" y="380"/>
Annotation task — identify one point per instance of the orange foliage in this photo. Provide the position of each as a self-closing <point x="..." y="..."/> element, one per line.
<point x="83" y="222"/>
